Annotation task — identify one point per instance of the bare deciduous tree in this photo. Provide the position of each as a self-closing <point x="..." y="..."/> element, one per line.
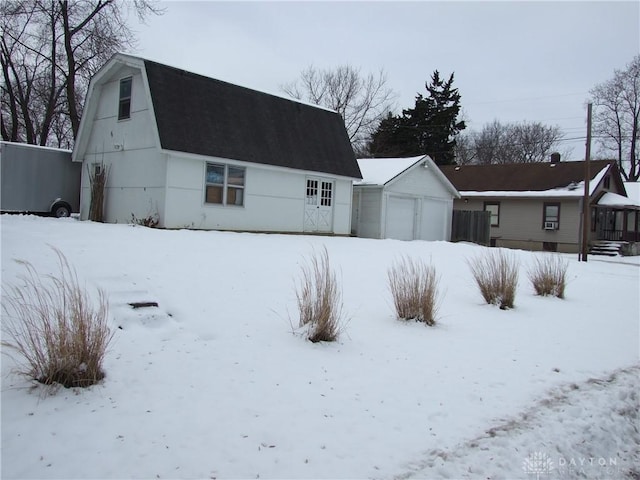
<point x="362" y="101"/>
<point x="48" y="52"/>
<point x="508" y="143"/>
<point x="617" y="118"/>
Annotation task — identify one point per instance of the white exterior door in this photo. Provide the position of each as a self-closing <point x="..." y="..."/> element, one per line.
<point x="400" y="218"/>
<point x="318" y="209"/>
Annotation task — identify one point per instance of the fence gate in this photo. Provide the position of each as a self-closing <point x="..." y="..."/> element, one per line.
<point x="471" y="226"/>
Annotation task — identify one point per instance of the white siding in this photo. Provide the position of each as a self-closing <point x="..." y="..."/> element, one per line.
<point x="369" y="214"/>
<point x="430" y="215"/>
<point x="419" y="181"/>
<point x="274" y="199"/>
<point x="137" y="169"/>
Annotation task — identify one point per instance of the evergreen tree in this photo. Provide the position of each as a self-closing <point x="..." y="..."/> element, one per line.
<point x="428" y="128"/>
<point x="390" y="139"/>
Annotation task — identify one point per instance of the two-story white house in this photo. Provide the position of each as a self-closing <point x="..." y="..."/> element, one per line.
<point x="196" y="152"/>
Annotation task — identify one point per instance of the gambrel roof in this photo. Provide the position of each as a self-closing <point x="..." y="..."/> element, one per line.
<point x="201" y="115"/>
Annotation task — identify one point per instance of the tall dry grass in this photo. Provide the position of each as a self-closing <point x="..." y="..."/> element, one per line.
<point x="496" y="274"/>
<point x="59" y="335"/>
<point x="414" y="288"/>
<point x="548" y="275"/>
<point x="320" y="300"/>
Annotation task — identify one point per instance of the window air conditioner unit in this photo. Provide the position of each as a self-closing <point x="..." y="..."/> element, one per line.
<point x="550" y="225"/>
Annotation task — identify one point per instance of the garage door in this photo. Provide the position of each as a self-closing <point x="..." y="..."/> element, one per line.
<point x="434" y="220"/>
<point x="400" y="218"/>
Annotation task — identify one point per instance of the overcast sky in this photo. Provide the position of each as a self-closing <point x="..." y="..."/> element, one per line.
<point x="513" y="61"/>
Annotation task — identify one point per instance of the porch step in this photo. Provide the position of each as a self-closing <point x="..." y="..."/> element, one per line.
<point x="611" y="249"/>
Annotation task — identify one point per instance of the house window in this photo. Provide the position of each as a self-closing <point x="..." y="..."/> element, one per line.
<point x="551" y="216"/>
<point x="312" y="192"/>
<point x="494" y="210"/>
<point x="607" y="182"/>
<point x="325" y="194"/>
<point x="631" y="221"/>
<point x="224" y="184"/>
<point x="124" y="105"/>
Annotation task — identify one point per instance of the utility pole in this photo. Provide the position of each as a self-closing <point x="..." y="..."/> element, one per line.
<point x="586" y="208"/>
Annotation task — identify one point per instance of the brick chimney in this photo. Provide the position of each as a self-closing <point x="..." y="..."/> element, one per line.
<point x="555" y="157"/>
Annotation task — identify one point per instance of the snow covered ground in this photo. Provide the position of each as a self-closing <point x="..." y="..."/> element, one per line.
<point x="214" y="384"/>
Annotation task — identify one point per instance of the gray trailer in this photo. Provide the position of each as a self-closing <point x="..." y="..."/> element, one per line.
<point x="38" y="180"/>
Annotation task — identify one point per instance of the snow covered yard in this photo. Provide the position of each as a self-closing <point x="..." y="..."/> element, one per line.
<point x="213" y="384"/>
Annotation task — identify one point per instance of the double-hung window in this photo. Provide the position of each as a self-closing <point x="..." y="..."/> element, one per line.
<point x="224" y="184"/>
<point x="124" y="104"/>
<point x="551" y="216"/>
<point x="494" y="209"/>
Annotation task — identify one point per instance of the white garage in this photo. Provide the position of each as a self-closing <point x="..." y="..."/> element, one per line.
<point x="402" y="198"/>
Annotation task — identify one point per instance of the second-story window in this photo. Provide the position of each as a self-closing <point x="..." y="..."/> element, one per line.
<point x="124" y="104"/>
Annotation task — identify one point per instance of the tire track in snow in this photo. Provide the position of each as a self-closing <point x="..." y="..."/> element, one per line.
<point x="587" y="430"/>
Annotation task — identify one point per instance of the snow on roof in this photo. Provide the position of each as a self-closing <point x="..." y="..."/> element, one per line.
<point x="610" y="199"/>
<point x="573" y="190"/>
<point x="39" y="147"/>
<point x="633" y="190"/>
<point x="379" y="171"/>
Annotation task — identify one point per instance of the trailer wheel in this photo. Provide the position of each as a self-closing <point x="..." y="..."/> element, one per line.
<point x="61" y="210"/>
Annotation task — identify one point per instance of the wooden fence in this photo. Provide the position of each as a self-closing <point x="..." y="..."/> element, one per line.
<point x="471" y="226"/>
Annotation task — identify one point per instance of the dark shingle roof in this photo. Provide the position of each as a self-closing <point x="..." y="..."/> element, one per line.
<point x="519" y="177"/>
<point x="201" y="115"/>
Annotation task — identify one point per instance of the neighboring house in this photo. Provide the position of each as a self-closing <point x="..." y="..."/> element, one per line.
<point x="538" y="206"/>
<point x="402" y="198"/>
<point x="195" y="152"/>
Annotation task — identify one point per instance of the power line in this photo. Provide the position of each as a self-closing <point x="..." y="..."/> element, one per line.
<point x="526" y="99"/>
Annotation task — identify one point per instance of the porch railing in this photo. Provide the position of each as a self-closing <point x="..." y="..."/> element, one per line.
<point x="618" y="236"/>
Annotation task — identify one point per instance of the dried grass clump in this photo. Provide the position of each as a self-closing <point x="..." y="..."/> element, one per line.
<point x="59" y="335"/>
<point x="98" y="183"/>
<point x="496" y="273"/>
<point x="414" y="288"/>
<point x="320" y="300"/>
<point x="548" y="275"/>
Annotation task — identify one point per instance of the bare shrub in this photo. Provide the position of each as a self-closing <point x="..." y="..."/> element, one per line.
<point x="548" y="275"/>
<point x="414" y="288"/>
<point x="98" y="182"/>
<point x="152" y="220"/>
<point x="320" y="300"/>
<point x="496" y="273"/>
<point x="59" y="335"/>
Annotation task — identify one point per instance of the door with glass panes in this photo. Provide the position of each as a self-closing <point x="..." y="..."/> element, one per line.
<point x="318" y="211"/>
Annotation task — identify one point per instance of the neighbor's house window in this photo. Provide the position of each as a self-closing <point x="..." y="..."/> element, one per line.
<point x="494" y="209"/>
<point x="224" y="184"/>
<point x="631" y="221"/>
<point x="551" y="216"/>
<point x="124" y="105"/>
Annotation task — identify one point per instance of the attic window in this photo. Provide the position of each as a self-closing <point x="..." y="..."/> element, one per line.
<point x="124" y="105"/>
<point x="607" y="182"/>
